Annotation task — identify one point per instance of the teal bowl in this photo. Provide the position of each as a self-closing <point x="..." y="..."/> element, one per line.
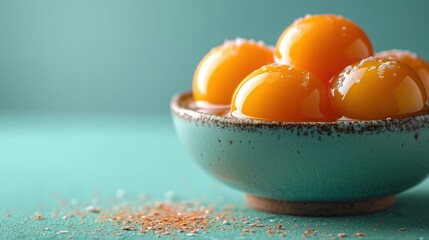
<point x="285" y="166"/>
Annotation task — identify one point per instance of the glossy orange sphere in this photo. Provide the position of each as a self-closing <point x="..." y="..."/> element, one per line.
<point x="323" y="44"/>
<point x="282" y="93"/>
<point x="224" y="67"/>
<point x="420" y="66"/>
<point x="377" y="88"/>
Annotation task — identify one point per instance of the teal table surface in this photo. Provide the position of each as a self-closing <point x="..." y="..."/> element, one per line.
<point x="59" y="162"/>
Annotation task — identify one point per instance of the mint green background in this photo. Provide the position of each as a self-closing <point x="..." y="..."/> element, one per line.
<point x="131" y="56"/>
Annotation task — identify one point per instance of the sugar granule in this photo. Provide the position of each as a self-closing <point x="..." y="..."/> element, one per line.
<point x="92" y="209"/>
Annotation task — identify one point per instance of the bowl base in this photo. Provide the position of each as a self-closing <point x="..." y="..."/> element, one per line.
<point x="319" y="208"/>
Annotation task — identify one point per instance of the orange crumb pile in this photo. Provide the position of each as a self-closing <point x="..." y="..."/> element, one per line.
<point x="163" y="218"/>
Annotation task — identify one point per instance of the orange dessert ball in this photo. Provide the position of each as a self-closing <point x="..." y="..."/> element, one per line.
<point x="416" y="63"/>
<point x="224" y="67"/>
<point x="323" y="44"/>
<point x="377" y="88"/>
<point x="282" y="93"/>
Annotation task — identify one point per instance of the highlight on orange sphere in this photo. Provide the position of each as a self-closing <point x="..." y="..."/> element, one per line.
<point x="419" y="65"/>
<point x="323" y="44"/>
<point x="282" y="93"/>
<point x="377" y="88"/>
<point x="224" y="67"/>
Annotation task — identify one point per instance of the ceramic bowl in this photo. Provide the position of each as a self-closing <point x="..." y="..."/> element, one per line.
<point x="301" y="162"/>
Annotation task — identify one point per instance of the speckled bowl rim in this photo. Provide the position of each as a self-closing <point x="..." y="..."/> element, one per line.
<point x="408" y="124"/>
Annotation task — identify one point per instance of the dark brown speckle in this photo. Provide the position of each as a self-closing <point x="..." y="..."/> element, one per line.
<point x="180" y="109"/>
<point x="416" y="136"/>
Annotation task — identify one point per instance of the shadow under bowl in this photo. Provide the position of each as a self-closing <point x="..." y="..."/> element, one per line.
<point x="308" y="168"/>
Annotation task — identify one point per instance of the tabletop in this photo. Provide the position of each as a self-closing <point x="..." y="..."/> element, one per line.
<point x="66" y="176"/>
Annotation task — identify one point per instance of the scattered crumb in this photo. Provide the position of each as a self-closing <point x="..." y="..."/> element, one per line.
<point x="67" y="216"/>
<point x="177" y="218"/>
<point x="92" y="209"/>
<point x="128" y="228"/>
<point x="256" y="225"/>
<point x="38" y="216"/>
<point x="308" y="232"/>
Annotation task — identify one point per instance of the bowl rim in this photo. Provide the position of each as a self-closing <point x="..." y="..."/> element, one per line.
<point x="179" y="109"/>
